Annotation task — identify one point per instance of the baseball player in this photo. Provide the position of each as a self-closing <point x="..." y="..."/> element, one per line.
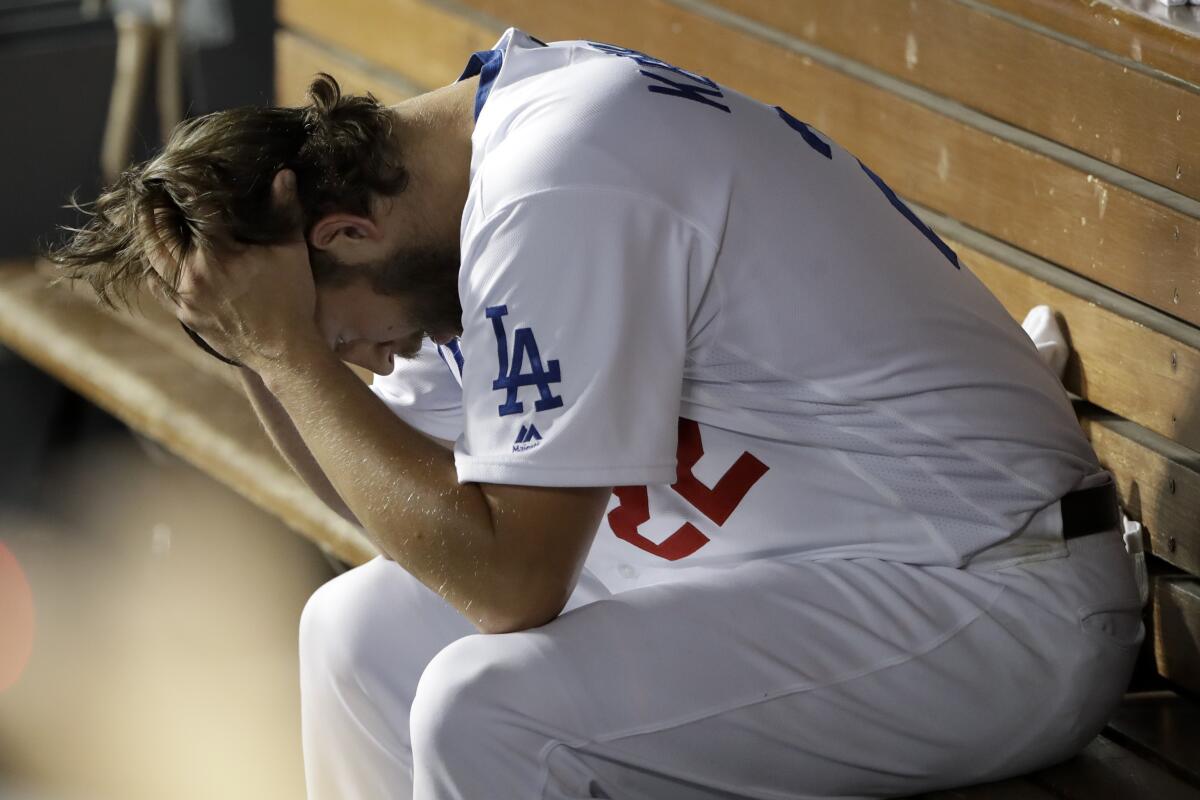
<point x="754" y="490"/>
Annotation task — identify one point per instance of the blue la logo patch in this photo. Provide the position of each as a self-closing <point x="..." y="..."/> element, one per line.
<point x="512" y="376"/>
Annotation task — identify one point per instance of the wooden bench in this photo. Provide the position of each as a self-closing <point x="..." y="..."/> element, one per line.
<point x="146" y="372"/>
<point x="1052" y="143"/>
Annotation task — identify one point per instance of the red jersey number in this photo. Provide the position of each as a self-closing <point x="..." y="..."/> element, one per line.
<point x="717" y="503"/>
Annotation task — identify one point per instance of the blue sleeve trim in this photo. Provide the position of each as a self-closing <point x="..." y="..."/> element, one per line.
<point x="486" y="64"/>
<point x="452" y="346"/>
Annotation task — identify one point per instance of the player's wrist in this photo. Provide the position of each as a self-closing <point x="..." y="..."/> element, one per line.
<point x="206" y="347"/>
<point x="298" y="355"/>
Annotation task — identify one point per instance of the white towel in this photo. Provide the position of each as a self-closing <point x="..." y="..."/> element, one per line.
<point x="1042" y="326"/>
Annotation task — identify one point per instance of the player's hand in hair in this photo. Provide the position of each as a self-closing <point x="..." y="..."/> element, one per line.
<point x="249" y="303"/>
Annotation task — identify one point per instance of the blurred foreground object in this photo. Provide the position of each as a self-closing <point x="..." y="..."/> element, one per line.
<point x="16" y="619"/>
<point x="164" y="657"/>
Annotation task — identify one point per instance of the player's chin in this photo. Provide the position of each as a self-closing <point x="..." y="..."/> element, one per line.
<point x="409" y="351"/>
<point x="444" y="334"/>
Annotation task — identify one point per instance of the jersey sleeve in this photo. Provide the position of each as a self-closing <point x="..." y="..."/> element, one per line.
<point x="423" y="392"/>
<point x="575" y="320"/>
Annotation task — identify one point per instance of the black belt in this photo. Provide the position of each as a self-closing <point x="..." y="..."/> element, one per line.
<point x="1088" y="511"/>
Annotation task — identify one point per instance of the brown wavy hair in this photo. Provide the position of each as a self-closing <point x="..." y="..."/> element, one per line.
<point x="211" y="184"/>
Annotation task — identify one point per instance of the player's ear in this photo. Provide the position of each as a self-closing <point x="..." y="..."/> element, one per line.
<point x="340" y="228"/>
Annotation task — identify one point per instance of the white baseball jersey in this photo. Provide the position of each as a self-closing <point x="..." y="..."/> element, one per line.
<point x="676" y="290"/>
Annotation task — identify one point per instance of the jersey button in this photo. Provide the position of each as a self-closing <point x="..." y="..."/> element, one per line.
<point x="626" y="571"/>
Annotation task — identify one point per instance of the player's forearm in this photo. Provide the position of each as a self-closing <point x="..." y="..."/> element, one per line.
<point x="401" y="485"/>
<point x="291" y="446"/>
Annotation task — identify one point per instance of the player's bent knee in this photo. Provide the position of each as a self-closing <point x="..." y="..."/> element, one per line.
<point x="449" y="690"/>
<point x="458" y="692"/>
<point x="337" y="630"/>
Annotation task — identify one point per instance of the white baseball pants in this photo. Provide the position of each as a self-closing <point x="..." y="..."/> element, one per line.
<point x="839" y="678"/>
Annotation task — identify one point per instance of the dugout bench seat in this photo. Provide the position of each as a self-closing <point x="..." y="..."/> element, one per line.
<point x="1052" y="143"/>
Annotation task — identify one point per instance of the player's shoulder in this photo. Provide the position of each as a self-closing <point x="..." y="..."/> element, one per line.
<point x="562" y="133"/>
<point x="574" y="63"/>
<point x="599" y="121"/>
<point x="549" y="159"/>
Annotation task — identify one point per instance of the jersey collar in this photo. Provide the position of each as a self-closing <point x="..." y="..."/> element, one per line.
<point x="486" y="64"/>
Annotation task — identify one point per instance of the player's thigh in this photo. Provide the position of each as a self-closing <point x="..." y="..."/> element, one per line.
<point x="812" y="677"/>
<point x="727" y="637"/>
<point x="378" y="626"/>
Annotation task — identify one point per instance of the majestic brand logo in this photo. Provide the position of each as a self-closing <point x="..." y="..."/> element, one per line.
<point x="528" y="438"/>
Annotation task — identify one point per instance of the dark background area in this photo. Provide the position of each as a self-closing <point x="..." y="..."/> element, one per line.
<point x="57" y="69"/>
<point x="56" y="74"/>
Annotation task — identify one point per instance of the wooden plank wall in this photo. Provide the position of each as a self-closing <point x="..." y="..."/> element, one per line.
<point x="1051" y="142"/>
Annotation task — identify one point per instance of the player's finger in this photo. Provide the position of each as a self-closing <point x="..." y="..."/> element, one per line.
<point x="158" y="256"/>
<point x="158" y="288"/>
<point x="181" y="273"/>
<point x="285" y="201"/>
<point x="163" y="264"/>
